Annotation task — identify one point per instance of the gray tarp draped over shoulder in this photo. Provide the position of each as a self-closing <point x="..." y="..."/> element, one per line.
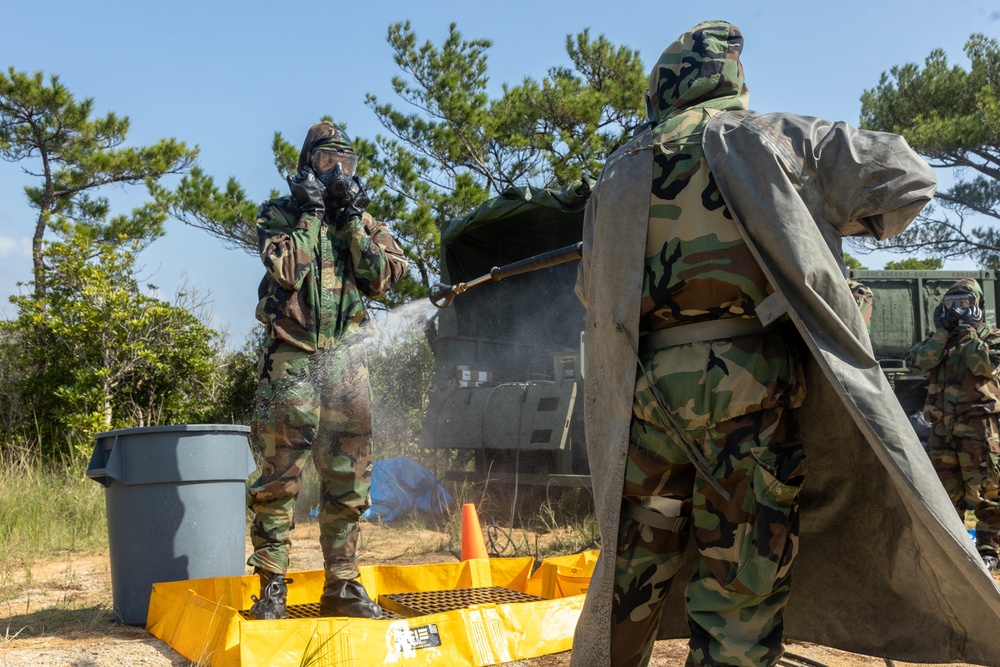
<point x="885" y="566"/>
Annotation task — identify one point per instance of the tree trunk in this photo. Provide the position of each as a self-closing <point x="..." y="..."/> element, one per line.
<point x="37" y="258"/>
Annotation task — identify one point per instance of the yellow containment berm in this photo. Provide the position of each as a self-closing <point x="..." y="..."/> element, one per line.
<point x="482" y="611"/>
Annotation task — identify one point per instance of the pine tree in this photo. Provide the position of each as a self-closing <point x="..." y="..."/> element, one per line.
<point x="951" y="116"/>
<point x="73" y="156"/>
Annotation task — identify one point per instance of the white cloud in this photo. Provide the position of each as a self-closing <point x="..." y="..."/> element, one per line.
<point x="20" y="248"/>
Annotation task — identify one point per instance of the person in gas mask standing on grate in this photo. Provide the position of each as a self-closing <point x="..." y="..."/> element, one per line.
<point x="322" y="253"/>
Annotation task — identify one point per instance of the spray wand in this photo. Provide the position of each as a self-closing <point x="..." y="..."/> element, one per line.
<point x="442" y="295"/>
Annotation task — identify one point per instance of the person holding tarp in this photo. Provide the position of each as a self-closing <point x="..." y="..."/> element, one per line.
<point x="961" y="360"/>
<point x="322" y="252"/>
<point x="737" y="424"/>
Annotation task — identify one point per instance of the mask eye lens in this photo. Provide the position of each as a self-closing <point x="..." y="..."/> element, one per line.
<point x="961" y="301"/>
<point x="326" y="161"/>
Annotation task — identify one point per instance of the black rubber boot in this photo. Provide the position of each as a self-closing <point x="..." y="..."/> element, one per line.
<point x="347" y="598"/>
<point x="272" y="603"/>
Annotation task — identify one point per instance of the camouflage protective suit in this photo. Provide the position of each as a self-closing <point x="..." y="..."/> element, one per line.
<point x="963" y="408"/>
<point x="731" y="396"/>
<point x="873" y="516"/>
<point x="313" y="396"/>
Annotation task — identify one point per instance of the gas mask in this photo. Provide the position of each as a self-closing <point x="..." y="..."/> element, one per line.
<point x="335" y="169"/>
<point x="960" y="308"/>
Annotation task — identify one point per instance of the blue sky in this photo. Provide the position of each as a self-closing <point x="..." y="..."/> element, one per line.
<point x="227" y="75"/>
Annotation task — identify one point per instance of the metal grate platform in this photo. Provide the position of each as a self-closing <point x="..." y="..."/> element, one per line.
<point x="433" y="602"/>
<point x="311" y="610"/>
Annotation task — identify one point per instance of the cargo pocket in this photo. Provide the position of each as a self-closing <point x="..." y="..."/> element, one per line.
<point x="764" y="541"/>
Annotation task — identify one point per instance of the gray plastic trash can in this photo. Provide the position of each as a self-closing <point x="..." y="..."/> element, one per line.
<point x="175" y="499"/>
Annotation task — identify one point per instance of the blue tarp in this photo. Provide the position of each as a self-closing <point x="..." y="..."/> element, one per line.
<point x="400" y="486"/>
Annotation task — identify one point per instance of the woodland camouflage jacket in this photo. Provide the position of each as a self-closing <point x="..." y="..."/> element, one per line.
<point x="962" y="368"/>
<point x="697" y="266"/>
<point x="317" y="272"/>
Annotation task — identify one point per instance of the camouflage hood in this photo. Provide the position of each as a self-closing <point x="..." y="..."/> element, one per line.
<point x="700" y="69"/>
<point x="324" y="135"/>
<point x="967" y="286"/>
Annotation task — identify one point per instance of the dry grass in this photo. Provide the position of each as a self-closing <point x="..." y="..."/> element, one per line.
<point x="46" y="510"/>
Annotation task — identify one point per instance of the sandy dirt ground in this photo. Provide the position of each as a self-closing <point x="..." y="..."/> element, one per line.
<point x="57" y="613"/>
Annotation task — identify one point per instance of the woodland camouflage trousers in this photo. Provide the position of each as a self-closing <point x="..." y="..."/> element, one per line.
<point x="965" y="453"/>
<point x="315" y="405"/>
<point x="736" y="599"/>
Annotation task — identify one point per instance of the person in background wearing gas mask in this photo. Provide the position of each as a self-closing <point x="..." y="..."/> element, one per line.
<point x="963" y="401"/>
<point x="866" y="300"/>
<point x="322" y="254"/>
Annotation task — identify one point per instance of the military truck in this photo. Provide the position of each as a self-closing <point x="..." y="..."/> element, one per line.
<point x="903" y="314"/>
<point x="507" y="354"/>
<point x="508" y="375"/>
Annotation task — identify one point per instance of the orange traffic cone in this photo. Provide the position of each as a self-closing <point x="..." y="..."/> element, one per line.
<point x="473" y="544"/>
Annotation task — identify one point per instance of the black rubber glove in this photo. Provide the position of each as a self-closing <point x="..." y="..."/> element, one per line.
<point x="952" y="315"/>
<point x="939" y="313"/>
<point x="973" y="317"/>
<point x="356" y="197"/>
<point x="308" y="192"/>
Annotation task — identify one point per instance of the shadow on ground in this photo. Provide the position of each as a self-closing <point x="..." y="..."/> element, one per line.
<point x="67" y="624"/>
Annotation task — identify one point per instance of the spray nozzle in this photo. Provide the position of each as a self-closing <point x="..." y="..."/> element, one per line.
<point x="442" y="295"/>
